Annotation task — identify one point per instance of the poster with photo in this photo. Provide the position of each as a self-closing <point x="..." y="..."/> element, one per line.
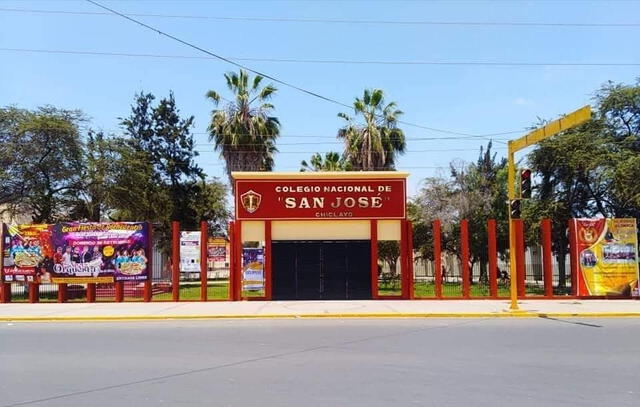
<point x="26" y="253"/>
<point x="252" y="269"/>
<point x="189" y="252"/>
<point x="607" y="256"/>
<point x="99" y="252"/>
<point x="217" y="250"/>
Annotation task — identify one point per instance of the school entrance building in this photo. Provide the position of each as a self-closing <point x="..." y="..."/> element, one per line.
<point x="316" y="236"/>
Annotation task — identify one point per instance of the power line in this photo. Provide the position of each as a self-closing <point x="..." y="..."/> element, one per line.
<point x="320" y="152"/>
<point x="340" y="20"/>
<point x="329" y="61"/>
<point x="287" y="84"/>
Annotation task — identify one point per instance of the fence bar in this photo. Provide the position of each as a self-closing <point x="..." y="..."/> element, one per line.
<point x="437" y="256"/>
<point x="493" y="257"/>
<point x="34" y="293"/>
<point x="374" y="259"/>
<point x="411" y="277"/>
<point x="148" y="283"/>
<point x="404" y="260"/>
<point x="268" y="286"/>
<point x="6" y="292"/>
<point x="119" y="291"/>
<point x="232" y="260"/>
<point x="464" y="247"/>
<point x="204" y="234"/>
<point x="175" y="260"/>
<point x="238" y="270"/>
<point x="573" y="256"/>
<point x="520" y="266"/>
<point x="547" y="264"/>
<point x="62" y="292"/>
<point x="91" y="292"/>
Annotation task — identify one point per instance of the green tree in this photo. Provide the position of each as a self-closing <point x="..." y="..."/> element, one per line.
<point x="331" y="161"/>
<point x="41" y="160"/>
<point x="244" y="131"/>
<point x="374" y="143"/>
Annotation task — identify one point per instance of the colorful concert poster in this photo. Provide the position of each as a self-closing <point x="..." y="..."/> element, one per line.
<point x="100" y="252"/>
<point x="607" y="256"/>
<point x="252" y="269"/>
<point x="217" y="249"/>
<point x="27" y="253"/>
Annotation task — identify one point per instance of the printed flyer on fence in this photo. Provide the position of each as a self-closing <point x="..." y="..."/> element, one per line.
<point x="27" y="252"/>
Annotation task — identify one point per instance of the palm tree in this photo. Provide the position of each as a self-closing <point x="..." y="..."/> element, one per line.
<point x="374" y="144"/>
<point x="331" y="162"/>
<point x="243" y="131"/>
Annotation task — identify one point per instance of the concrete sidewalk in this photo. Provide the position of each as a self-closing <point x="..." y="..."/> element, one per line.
<point x="316" y="309"/>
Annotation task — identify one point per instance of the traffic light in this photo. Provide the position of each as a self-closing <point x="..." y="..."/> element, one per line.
<point x="515" y="209"/>
<point x="525" y="184"/>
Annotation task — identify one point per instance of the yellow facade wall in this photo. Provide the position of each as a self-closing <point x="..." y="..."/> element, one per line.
<point x="252" y="231"/>
<point x="321" y="230"/>
<point x="389" y="230"/>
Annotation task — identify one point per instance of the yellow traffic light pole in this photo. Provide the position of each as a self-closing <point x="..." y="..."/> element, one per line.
<point x="564" y="123"/>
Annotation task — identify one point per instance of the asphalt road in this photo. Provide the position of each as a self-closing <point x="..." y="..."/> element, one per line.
<point x="477" y="362"/>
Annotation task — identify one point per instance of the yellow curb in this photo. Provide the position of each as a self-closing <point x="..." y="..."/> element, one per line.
<point x="510" y="314"/>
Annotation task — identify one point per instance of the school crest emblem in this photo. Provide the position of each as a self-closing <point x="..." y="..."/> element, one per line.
<point x="588" y="235"/>
<point x="251" y="201"/>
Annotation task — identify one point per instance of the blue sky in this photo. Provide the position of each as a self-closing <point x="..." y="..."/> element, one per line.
<point x="468" y="99"/>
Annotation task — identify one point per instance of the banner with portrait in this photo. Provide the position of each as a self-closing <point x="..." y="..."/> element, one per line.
<point x="27" y="252"/>
<point x="607" y="256"/>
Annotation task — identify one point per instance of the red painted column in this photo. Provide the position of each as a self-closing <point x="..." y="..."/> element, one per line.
<point x="238" y="280"/>
<point x="232" y="260"/>
<point x="520" y="266"/>
<point x="91" y="292"/>
<point x="404" y="255"/>
<point x="148" y="283"/>
<point x="204" y="234"/>
<point x="5" y="288"/>
<point x="268" y="280"/>
<point x="464" y="247"/>
<point x="547" y="264"/>
<point x="62" y="292"/>
<point x="374" y="259"/>
<point x="119" y="285"/>
<point x="493" y="258"/>
<point x="6" y="292"/>
<point x="175" y="260"/>
<point x="573" y="256"/>
<point x="437" y="257"/>
<point x="34" y="293"/>
<point x="410" y="260"/>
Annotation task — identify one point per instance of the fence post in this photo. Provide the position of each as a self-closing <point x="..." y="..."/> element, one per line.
<point x="547" y="265"/>
<point x="91" y="292"/>
<point x="437" y="257"/>
<point x="62" y="292"/>
<point x="493" y="258"/>
<point x="410" y="260"/>
<point x="119" y="285"/>
<point x="148" y="283"/>
<point x="464" y="247"/>
<point x="520" y="266"/>
<point x="268" y="287"/>
<point x="204" y="234"/>
<point x="232" y="260"/>
<point x="34" y="292"/>
<point x="238" y="270"/>
<point x="175" y="260"/>
<point x="374" y="259"/>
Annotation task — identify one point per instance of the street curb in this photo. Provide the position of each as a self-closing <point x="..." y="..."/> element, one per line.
<point x="506" y="314"/>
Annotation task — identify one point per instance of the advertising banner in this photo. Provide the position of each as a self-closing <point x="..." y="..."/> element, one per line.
<point x="27" y="253"/>
<point x="217" y="250"/>
<point x="607" y="256"/>
<point x="320" y="199"/>
<point x="189" y="252"/>
<point x="252" y="269"/>
<point x="99" y="252"/>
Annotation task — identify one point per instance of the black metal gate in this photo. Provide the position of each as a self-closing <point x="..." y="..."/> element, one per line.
<point x="321" y="270"/>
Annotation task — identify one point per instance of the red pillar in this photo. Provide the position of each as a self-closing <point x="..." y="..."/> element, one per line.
<point x="232" y="260"/>
<point x="573" y="256"/>
<point x="520" y="266"/>
<point x="34" y="293"/>
<point x="148" y="283"/>
<point x="6" y="292"/>
<point x="464" y="247"/>
<point x="204" y="234"/>
<point x="268" y="287"/>
<point x="91" y="292"/>
<point x="493" y="258"/>
<point x="119" y="285"/>
<point x="437" y="257"/>
<point x="62" y="292"/>
<point x="374" y="259"/>
<point x="410" y="260"/>
<point x="547" y="265"/>
<point x="175" y="260"/>
<point x="404" y="255"/>
<point x="238" y="270"/>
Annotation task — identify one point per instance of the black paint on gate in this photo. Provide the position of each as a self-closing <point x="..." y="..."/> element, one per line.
<point x="321" y="270"/>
